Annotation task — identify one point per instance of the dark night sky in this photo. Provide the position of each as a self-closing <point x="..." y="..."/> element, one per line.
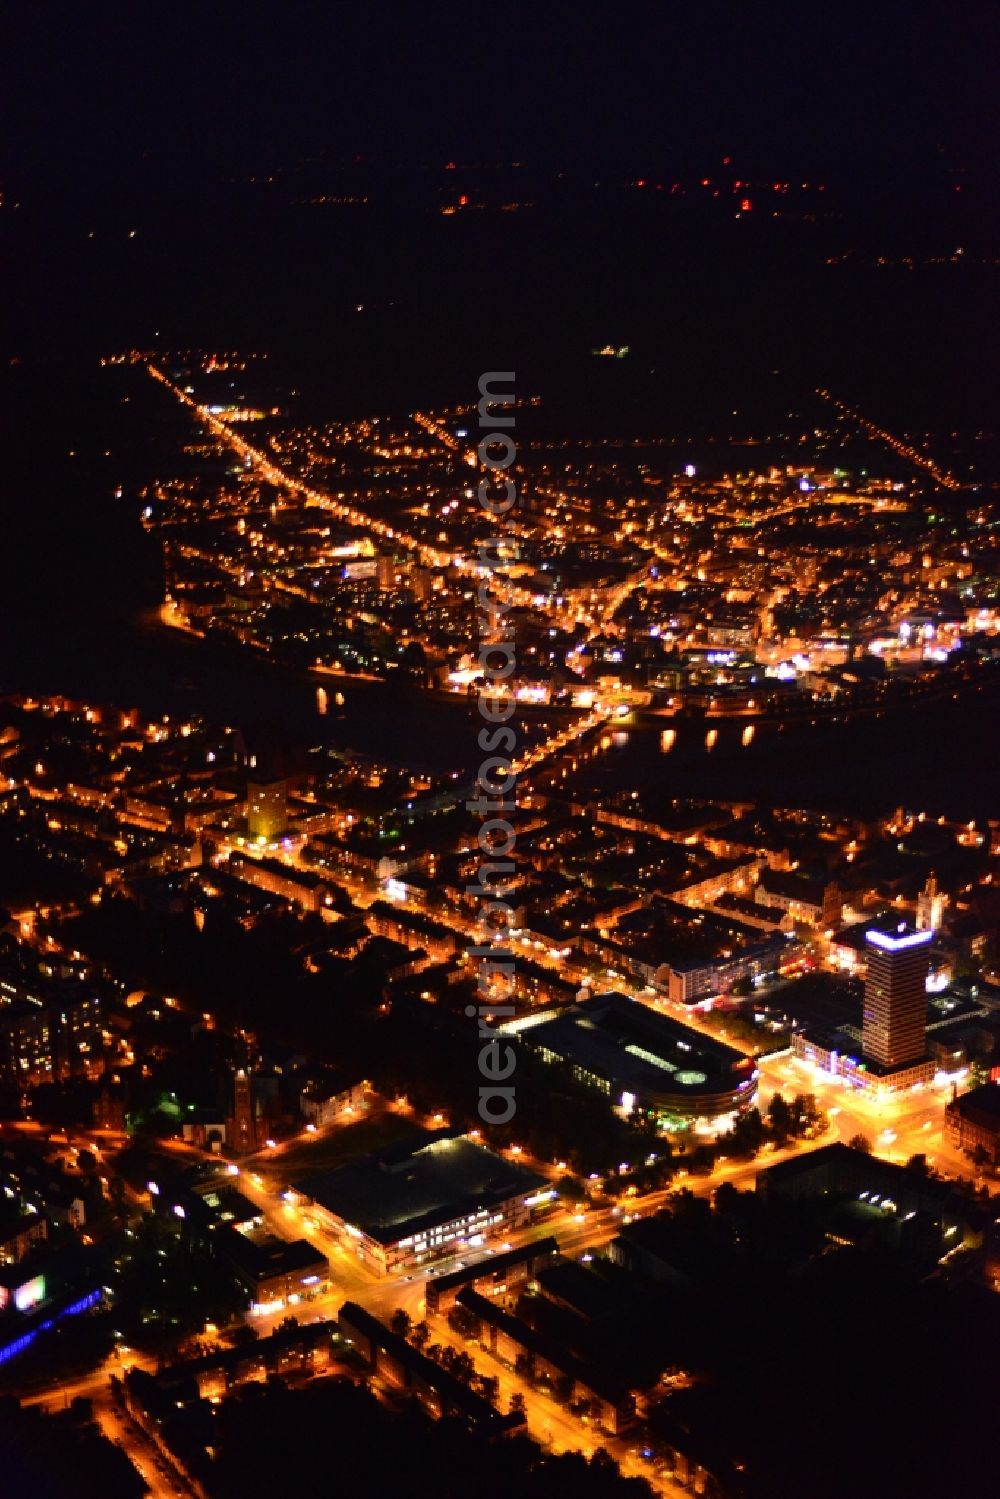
<point x="114" y="89"/>
<point x="123" y="120"/>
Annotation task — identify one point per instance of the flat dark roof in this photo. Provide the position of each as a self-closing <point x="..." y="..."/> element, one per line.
<point x="603" y="1382"/>
<point x="270" y="1257"/>
<point x="639" y="1049"/>
<point x="980" y="1106"/>
<point x="846" y="1166"/>
<point x="571" y="1284"/>
<point x="398" y="1192"/>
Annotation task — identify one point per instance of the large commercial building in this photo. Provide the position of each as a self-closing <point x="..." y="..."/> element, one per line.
<point x="839" y="1172"/>
<point x="893" y="1054"/>
<point x="894" y="1032"/>
<point x="642" y="1060"/>
<point x="838" y="1053"/>
<point x="408" y="1204"/>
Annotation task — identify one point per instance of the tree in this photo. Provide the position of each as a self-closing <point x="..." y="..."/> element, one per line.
<point x="419" y="1335"/>
<point x="918" y="1163"/>
<point x="517" y="1404"/>
<point x="813" y="1113"/>
<point x="806" y="1113"/>
<point x="702" y="1158"/>
<point x="745" y="1138"/>
<point x="727" y="1198"/>
<point x="780" y="1119"/>
<point x="860" y="1142"/>
<point x="462" y="1321"/>
<point x="489" y="1388"/>
<point x="413" y="656"/>
<point x="400" y="1322"/>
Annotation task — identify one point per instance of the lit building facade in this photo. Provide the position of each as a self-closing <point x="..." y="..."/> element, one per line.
<point x="894" y="1029"/>
<point x="267" y="808"/>
<point x="646" y="1062"/>
<point x="893" y="1054"/>
<point x="413" y="1203"/>
<point x="972" y="1121"/>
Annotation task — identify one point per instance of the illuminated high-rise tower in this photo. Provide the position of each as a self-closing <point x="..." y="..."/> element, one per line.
<point x="267" y="807"/>
<point x="894" y="1031"/>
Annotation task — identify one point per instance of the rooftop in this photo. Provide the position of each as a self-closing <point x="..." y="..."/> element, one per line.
<point x="900" y="940"/>
<point x="399" y="1191"/>
<point x="496" y="1266"/>
<point x="640" y="1050"/>
<point x="979" y="1106"/>
<point x="264" y="1257"/>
